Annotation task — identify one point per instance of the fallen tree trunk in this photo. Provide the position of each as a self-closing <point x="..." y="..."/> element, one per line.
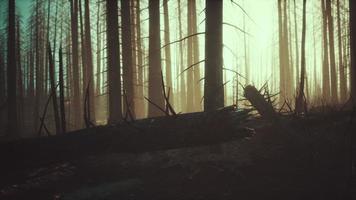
<point x="262" y="104"/>
<point x="151" y="134"/>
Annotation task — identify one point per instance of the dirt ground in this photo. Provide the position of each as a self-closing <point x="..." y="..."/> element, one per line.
<point x="306" y="158"/>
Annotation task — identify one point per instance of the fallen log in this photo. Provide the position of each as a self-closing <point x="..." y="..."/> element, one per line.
<point x="181" y="130"/>
<point x="262" y="104"/>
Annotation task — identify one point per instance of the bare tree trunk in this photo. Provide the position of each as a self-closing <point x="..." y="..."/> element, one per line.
<point x="84" y="66"/>
<point x="134" y="55"/>
<point x="75" y="64"/>
<point x="11" y="72"/>
<point x="213" y="82"/>
<point x="326" y="74"/>
<point x="183" y="99"/>
<point x="154" y="78"/>
<point x="38" y="70"/>
<point x="343" y="85"/>
<point x="296" y="41"/>
<point x="61" y="92"/>
<point x="167" y="51"/>
<point x="89" y="60"/>
<point x="334" y="94"/>
<point x="282" y="87"/>
<point x="353" y="48"/>
<point x="190" y="57"/>
<point x="20" y="86"/>
<point x="127" y="56"/>
<point x="98" y="51"/>
<point x="300" y="102"/>
<point x="140" y="107"/>
<point x="53" y="91"/>
<point x="288" y="72"/>
<point x="114" y="71"/>
<point x="196" y="68"/>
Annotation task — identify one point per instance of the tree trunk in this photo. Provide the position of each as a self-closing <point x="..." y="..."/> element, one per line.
<point x="190" y="57"/>
<point x="167" y="51"/>
<point x="282" y="87"/>
<point x="98" y="52"/>
<point x="196" y="59"/>
<point x="127" y="56"/>
<point x="20" y="80"/>
<point x="213" y="82"/>
<point x="89" y="60"/>
<point x="38" y="70"/>
<point x="342" y="78"/>
<point x="11" y="72"/>
<point x="296" y="41"/>
<point x="75" y="63"/>
<point x="84" y="66"/>
<point x="334" y="94"/>
<point x="326" y="75"/>
<point x="183" y="99"/>
<point x="114" y="71"/>
<point x="154" y="78"/>
<point x="140" y="106"/>
<point x="288" y="72"/>
<point x="53" y="90"/>
<point x="300" y="102"/>
<point x="134" y="55"/>
<point x="61" y="92"/>
<point x="353" y="48"/>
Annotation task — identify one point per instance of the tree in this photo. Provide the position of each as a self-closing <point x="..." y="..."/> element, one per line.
<point x="61" y="92"/>
<point x="154" y="77"/>
<point x="325" y="70"/>
<point x="300" y="102"/>
<point x="296" y="40"/>
<point x="183" y="99"/>
<point x="20" y="79"/>
<point x="114" y="78"/>
<point x="89" y="60"/>
<point x="282" y="86"/>
<point x="196" y="59"/>
<point x="334" y="95"/>
<point x="190" y="58"/>
<point x="128" y="74"/>
<point x="352" y="5"/>
<point x="75" y="63"/>
<point x="140" y="105"/>
<point x="98" y="51"/>
<point x="11" y="72"/>
<point x="167" y="50"/>
<point x="53" y="91"/>
<point x="213" y="82"/>
<point x="342" y="78"/>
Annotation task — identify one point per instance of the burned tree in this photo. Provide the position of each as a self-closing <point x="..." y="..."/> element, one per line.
<point x="213" y="82"/>
<point x="128" y="75"/>
<point x="11" y="72"/>
<point x="353" y="48"/>
<point x="300" y="105"/>
<point x="114" y="80"/>
<point x="154" y="76"/>
<point x="75" y="62"/>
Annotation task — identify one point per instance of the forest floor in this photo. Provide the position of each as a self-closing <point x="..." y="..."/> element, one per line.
<point x="294" y="158"/>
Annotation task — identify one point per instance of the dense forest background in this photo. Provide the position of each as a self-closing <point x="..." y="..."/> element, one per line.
<point x="65" y="65"/>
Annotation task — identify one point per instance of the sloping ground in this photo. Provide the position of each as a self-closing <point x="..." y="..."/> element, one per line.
<point x="289" y="159"/>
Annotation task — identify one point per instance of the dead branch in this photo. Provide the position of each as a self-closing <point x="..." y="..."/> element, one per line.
<point x="45" y="111"/>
